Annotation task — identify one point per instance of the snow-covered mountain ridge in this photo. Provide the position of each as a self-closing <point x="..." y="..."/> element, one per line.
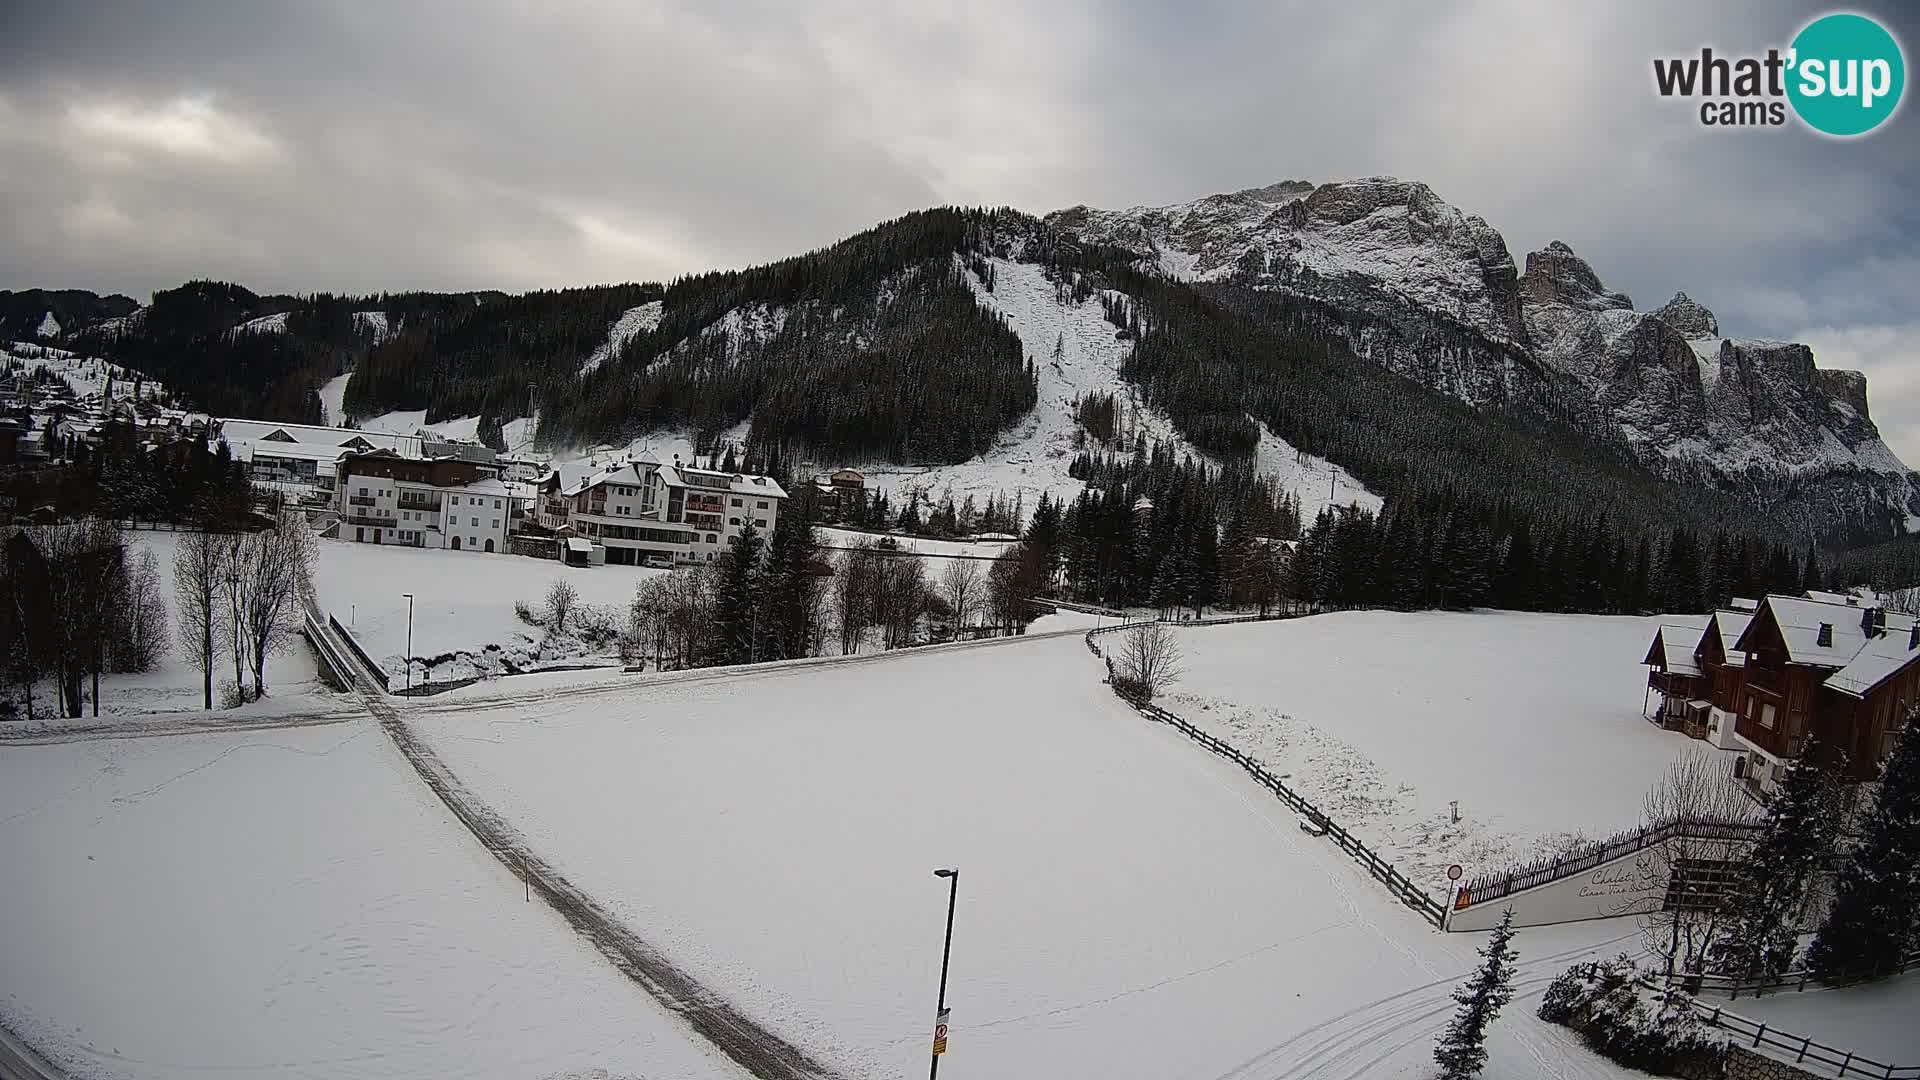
<point x="1749" y="416"/>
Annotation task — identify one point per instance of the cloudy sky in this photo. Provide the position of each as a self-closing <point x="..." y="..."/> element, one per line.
<point x="360" y="146"/>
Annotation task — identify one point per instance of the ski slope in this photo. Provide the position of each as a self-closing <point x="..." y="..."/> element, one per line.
<point x="292" y="904"/>
<point x="1531" y="722"/>
<point x="1129" y="906"/>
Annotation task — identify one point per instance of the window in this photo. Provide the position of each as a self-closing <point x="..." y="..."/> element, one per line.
<point x="1766" y="717"/>
<point x="454" y="499"/>
<point x="496" y="504"/>
<point x="363" y="491"/>
<point x="711" y="539"/>
<point x="476" y="523"/>
<point x="761" y="505"/>
<point x="759" y="523"/>
<point x="496" y="523"/>
<point x="733" y="521"/>
<point x="736" y="502"/>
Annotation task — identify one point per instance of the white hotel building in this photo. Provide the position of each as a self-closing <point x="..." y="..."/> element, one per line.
<point x="644" y="512"/>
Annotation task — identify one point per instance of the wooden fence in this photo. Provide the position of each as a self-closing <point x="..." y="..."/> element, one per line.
<point x="1382" y="871"/>
<point x="1796" y="979"/>
<point x="1798" y="1050"/>
<point x="1493" y="886"/>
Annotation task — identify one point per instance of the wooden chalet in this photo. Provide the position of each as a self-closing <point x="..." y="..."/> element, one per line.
<point x="1763" y="682"/>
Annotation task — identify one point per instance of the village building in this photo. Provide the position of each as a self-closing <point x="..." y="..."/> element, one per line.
<point x="438" y="502"/>
<point x="1830" y="667"/>
<point x="643" y="512"/>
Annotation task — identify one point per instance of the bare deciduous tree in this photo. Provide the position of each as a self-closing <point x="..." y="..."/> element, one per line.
<point x="562" y="597"/>
<point x="1149" y="657"/>
<point x="1680" y="926"/>
<point x="961" y="584"/>
<point x="278" y="578"/>
<point x="144" y="614"/>
<point x="199" y="568"/>
<point x="853" y="589"/>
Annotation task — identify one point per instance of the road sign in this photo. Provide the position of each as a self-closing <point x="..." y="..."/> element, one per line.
<point x="940" y="1033"/>
<point x="1454" y="872"/>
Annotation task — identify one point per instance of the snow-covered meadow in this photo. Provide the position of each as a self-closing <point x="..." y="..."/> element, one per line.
<point x="292" y="903"/>
<point x="1129" y="906"/>
<point x="1383" y="719"/>
<point x="463" y="601"/>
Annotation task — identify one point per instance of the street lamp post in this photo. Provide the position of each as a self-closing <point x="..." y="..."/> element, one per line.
<point x="952" y="874"/>
<point x="409" y="597"/>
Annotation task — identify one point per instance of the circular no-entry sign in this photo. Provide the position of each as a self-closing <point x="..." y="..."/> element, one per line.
<point x="1454" y="872"/>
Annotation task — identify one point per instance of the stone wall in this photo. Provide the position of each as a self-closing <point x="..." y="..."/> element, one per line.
<point x="1745" y="1064"/>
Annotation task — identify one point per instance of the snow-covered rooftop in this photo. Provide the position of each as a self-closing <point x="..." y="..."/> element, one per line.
<point x="1800" y="620"/>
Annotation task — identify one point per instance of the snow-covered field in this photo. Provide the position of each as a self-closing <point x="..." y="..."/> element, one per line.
<point x="293" y="904"/>
<point x="1532" y="722"/>
<point x="1129" y="906"/>
<point x="463" y="600"/>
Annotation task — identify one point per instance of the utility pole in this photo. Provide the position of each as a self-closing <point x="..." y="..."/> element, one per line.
<point x="409" y="597"/>
<point x="952" y="874"/>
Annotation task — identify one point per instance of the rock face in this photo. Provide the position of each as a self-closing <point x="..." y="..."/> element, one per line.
<point x="1437" y="297"/>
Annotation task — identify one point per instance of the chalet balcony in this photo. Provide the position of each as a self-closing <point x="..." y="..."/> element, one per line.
<point x="1674" y="683"/>
<point x="432" y="505"/>
<point x="1775" y="740"/>
<point x="369" y="519"/>
<point x="1768" y="679"/>
<point x="361" y="500"/>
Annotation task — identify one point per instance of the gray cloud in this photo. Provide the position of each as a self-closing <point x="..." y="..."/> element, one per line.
<point x="367" y="146"/>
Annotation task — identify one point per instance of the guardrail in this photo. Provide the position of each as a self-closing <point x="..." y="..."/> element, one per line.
<point x="1803" y="1050"/>
<point x="360" y="660"/>
<point x="1489" y="887"/>
<point x="1382" y="871"/>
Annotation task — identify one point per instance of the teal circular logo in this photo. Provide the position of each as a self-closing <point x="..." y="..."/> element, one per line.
<point x="1847" y="74"/>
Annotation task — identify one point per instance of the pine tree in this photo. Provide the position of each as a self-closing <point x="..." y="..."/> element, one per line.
<point x="1462" y="1049"/>
<point x="1774" y="877"/>
<point x="735" y="600"/>
<point x="1876" y="906"/>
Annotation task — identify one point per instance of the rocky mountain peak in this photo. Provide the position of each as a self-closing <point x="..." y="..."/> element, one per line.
<point x="1555" y="275"/>
<point x="1688" y="316"/>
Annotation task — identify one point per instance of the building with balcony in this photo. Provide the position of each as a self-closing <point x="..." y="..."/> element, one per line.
<point x="645" y="512"/>
<point x="439" y="503"/>
<point x="1837" y="669"/>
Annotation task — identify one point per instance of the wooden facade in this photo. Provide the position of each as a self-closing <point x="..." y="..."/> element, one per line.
<point x="1785" y="701"/>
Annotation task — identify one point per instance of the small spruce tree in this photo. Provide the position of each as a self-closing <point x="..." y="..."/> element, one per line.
<point x="1774" y="876"/>
<point x="1875" y="917"/>
<point x="1462" y="1049"/>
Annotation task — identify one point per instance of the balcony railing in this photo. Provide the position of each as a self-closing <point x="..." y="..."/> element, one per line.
<point x="1768" y="679"/>
<point x="361" y="500"/>
<point x="419" y="504"/>
<point x="367" y="519"/>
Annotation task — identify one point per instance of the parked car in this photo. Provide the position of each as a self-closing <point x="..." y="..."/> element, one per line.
<point x="659" y="562"/>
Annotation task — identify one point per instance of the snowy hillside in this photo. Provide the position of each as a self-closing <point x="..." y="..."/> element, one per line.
<point x="373" y="322"/>
<point x="275" y="323"/>
<point x="1077" y="354"/>
<point x="1757" y="416"/>
<point x="635" y="320"/>
<point x="87" y="376"/>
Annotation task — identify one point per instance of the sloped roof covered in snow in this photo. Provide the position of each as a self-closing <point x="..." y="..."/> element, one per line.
<point x="1727" y="626"/>
<point x="1879" y="659"/>
<point x="1800" y="620"/>
<point x="1674" y="643"/>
